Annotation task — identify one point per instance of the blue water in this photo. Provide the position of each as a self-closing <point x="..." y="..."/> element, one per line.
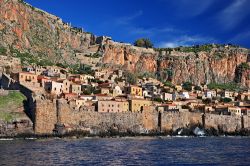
<point x="127" y="151"/>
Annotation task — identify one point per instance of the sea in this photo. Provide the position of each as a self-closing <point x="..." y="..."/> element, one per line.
<point x="127" y="151"/>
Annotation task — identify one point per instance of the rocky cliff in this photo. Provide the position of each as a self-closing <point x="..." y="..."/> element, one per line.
<point x="221" y="64"/>
<point x="29" y="29"/>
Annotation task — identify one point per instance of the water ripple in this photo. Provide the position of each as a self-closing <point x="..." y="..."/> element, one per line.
<point x="127" y="151"/>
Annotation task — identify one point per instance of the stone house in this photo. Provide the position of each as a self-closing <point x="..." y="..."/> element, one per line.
<point x="167" y="96"/>
<point x="105" y="91"/>
<point x="113" y="77"/>
<point x="74" y="78"/>
<point x="234" y="111"/>
<point x="56" y="87"/>
<point x="178" y="88"/>
<point x="84" y="78"/>
<point x="136" y="105"/>
<point x="244" y="96"/>
<point x="54" y="71"/>
<point x="113" y="106"/>
<point x="184" y="95"/>
<point x="168" y="107"/>
<point x="67" y="86"/>
<point x="76" y="88"/>
<point x="245" y="111"/>
<point x="29" y="69"/>
<point x="119" y="73"/>
<point x="39" y="70"/>
<point x="133" y="90"/>
<point x="222" y="110"/>
<point x="25" y="77"/>
<point x="105" y="85"/>
<point x="80" y="103"/>
<point x="227" y="94"/>
<point x="43" y="80"/>
<point x="210" y="94"/>
<point x="146" y="94"/>
<point x="117" y="91"/>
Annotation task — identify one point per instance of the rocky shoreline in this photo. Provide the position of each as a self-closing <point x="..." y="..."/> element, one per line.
<point x="182" y="132"/>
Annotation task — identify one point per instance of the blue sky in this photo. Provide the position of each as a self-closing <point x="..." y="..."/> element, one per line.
<point x="168" y="23"/>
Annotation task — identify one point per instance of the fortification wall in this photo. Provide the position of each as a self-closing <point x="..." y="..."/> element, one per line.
<point x="101" y="122"/>
<point x="225" y="123"/>
<point x="246" y="122"/>
<point x="50" y="113"/>
<point x="45" y="117"/>
<point x="175" y="120"/>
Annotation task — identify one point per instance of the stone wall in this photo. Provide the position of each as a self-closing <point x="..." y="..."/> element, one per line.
<point x="223" y="122"/>
<point x="246" y="122"/>
<point x="45" y="116"/>
<point x="49" y="113"/>
<point x="175" y="120"/>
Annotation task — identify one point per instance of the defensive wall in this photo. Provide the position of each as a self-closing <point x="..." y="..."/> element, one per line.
<point x="49" y="113"/>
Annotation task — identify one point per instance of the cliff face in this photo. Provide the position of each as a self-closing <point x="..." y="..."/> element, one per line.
<point x="31" y="30"/>
<point x="218" y="65"/>
<point x="131" y="58"/>
<point x="205" y="67"/>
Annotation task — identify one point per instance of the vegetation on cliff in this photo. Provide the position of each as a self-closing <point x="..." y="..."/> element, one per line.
<point x="3" y="51"/>
<point x="144" y="42"/>
<point x="12" y="101"/>
<point x="227" y="86"/>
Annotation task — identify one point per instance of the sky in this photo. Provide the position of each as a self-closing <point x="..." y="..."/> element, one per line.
<point x="167" y="23"/>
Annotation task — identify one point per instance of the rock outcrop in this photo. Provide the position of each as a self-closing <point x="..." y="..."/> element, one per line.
<point x="29" y="29"/>
<point x="218" y="65"/>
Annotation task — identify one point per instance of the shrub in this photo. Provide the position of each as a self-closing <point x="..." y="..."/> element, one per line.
<point x="197" y="88"/>
<point x="227" y="86"/>
<point x="226" y="100"/>
<point x="131" y="78"/>
<point x="144" y="42"/>
<point x="3" y="51"/>
<point x="169" y="84"/>
<point x="187" y="86"/>
<point x="158" y="100"/>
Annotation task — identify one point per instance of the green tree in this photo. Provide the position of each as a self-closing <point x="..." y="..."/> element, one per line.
<point x="131" y="78"/>
<point x="3" y="51"/>
<point x="144" y="42"/>
<point x="197" y="88"/>
<point x="187" y="86"/>
<point x="226" y="100"/>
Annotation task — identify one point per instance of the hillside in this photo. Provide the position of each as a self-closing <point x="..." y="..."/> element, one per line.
<point x="37" y="36"/>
